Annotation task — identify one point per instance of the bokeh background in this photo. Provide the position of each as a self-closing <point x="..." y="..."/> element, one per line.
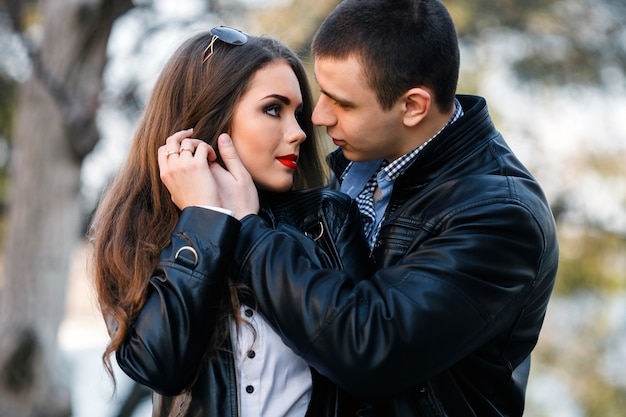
<point x="75" y="75"/>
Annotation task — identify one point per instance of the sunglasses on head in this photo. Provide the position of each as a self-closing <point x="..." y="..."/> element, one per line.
<point x="227" y="35"/>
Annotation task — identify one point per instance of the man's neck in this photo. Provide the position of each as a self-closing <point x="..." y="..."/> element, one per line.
<point x="430" y="126"/>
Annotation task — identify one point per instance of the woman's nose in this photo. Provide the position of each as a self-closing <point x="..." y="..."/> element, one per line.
<point x="295" y="133"/>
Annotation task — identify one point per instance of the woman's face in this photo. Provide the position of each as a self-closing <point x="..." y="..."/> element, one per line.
<point x="265" y="129"/>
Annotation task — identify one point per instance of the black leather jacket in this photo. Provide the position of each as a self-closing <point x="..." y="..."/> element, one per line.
<point x="466" y="261"/>
<point x="167" y="342"/>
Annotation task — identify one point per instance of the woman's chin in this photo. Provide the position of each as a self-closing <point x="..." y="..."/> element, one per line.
<point x="277" y="187"/>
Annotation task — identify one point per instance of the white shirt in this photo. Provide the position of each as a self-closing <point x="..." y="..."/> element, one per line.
<point x="273" y="381"/>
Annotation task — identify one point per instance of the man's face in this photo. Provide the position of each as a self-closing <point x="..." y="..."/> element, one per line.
<point x="354" y="119"/>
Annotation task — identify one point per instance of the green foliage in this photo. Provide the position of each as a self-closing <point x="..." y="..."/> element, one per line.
<point x="562" y="41"/>
<point x="603" y="399"/>
<point x="591" y="259"/>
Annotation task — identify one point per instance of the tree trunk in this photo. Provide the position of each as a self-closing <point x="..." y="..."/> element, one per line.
<point x="55" y="128"/>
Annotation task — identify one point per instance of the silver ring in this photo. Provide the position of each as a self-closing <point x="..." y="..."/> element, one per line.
<point x="168" y="153"/>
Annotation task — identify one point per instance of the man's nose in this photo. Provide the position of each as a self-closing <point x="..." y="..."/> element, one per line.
<point x="322" y="113"/>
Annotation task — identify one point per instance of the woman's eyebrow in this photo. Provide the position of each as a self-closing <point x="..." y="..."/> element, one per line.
<point x="280" y="97"/>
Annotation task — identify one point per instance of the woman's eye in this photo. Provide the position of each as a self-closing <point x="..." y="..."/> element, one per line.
<point x="273" y="110"/>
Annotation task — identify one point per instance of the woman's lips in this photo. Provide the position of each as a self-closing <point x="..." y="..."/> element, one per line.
<point x="290" y="161"/>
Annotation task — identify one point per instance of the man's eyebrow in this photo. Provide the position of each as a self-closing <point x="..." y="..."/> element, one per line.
<point x="336" y="99"/>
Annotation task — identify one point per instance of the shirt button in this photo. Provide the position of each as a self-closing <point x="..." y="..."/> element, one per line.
<point x="251" y="354"/>
<point x="249" y="389"/>
<point x="249" y="312"/>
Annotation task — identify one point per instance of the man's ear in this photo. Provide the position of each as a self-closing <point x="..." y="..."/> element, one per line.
<point x="417" y="103"/>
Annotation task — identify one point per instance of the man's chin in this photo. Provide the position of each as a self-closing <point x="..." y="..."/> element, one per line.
<point x="355" y="156"/>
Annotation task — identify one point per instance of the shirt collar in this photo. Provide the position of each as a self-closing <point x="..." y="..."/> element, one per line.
<point x="398" y="166"/>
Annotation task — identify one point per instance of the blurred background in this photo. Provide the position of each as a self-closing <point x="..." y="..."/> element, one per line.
<point x="75" y="75"/>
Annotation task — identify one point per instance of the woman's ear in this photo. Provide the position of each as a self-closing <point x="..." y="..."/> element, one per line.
<point x="417" y="103"/>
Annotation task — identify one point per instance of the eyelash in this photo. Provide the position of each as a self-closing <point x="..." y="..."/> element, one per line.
<point x="277" y="108"/>
<point x="341" y="105"/>
<point x="273" y="108"/>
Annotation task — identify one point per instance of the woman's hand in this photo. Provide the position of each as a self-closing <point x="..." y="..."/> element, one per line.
<point x="188" y="169"/>
<point x="236" y="188"/>
<point x="184" y="169"/>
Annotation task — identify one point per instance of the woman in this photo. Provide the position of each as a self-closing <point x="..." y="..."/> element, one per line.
<point x="179" y="323"/>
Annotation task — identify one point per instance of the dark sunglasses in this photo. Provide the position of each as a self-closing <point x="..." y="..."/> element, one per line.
<point x="227" y="35"/>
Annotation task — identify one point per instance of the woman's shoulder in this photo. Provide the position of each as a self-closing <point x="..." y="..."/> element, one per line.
<point x="329" y="218"/>
<point x="307" y="204"/>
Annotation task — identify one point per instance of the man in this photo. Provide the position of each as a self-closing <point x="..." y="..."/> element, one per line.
<point x="463" y="239"/>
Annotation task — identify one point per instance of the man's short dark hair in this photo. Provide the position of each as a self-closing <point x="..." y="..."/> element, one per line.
<point x="400" y="44"/>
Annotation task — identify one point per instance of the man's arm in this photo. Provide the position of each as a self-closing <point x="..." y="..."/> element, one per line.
<point x="452" y="292"/>
<point x="407" y="322"/>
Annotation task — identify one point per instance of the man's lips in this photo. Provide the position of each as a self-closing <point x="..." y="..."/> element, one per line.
<point x="339" y="142"/>
<point x="290" y="161"/>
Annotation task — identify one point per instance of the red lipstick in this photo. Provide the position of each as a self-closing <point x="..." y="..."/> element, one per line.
<point x="290" y="161"/>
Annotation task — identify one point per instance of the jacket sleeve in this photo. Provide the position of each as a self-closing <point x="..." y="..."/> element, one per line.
<point x="168" y="339"/>
<point x="382" y="334"/>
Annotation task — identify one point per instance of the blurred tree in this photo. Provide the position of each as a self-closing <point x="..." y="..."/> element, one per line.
<point x="7" y="100"/>
<point x="53" y="131"/>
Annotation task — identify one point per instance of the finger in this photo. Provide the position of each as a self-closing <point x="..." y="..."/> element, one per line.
<point x="189" y="146"/>
<point x="162" y="157"/>
<point x="231" y="159"/>
<point x="173" y="142"/>
<point x="205" y="151"/>
<point x="169" y="153"/>
<point x="186" y="151"/>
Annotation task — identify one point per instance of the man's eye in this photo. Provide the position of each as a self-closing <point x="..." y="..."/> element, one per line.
<point x="273" y="110"/>
<point x="341" y="105"/>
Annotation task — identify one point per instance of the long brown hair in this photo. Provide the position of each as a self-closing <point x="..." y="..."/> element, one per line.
<point x="136" y="216"/>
